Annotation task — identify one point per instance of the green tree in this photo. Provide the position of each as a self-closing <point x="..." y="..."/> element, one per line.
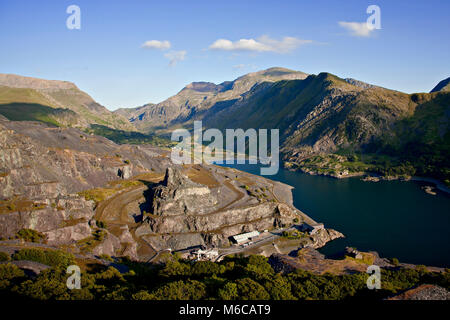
<point x="228" y="292"/>
<point x="249" y="289"/>
<point x="179" y="290"/>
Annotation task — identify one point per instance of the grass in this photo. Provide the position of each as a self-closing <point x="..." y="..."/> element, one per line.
<point x="294" y="235"/>
<point x="35" y="112"/>
<point x="48" y="257"/>
<point x="130" y="137"/>
<point x="367" y="258"/>
<point x="31" y="235"/>
<point x="100" y="194"/>
<point x="17" y="204"/>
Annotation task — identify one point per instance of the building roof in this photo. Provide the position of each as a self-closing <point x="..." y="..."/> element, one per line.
<point x="245" y="236"/>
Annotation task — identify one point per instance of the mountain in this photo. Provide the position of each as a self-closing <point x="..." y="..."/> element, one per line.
<point x="318" y="114"/>
<point x="132" y="112"/>
<point x="322" y="115"/>
<point x="444" y="85"/>
<point x="55" y="102"/>
<point x="198" y="97"/>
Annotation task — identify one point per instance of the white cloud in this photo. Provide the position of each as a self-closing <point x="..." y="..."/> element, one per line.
<point x="175" y="56"/>
<point x="262" y="44"/>
<point x="357" y="29"/>
<point x="156" y="44"/>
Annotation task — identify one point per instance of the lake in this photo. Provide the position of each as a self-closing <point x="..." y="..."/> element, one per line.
<point x="395" y="218"/>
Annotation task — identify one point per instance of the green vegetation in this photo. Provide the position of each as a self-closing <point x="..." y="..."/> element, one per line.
<point x="101" y="224"/>
<point x="36" y="112"/>
<point x="394" y="261"/>
<point x="31" y="235"/>
<point x="88" y="244"/>
<point x="19" y="204"/>
<point x="100" y="194"/>
<point x="130" y="137"/>
<point x="10" y="277"/>
<point x="4" y="256"/>
<point x="294" y="235"/>
<point x="250" y="278"/>
<point x="106" y="257"/>
<point x="367" y="259"/>
<point x="52" y="258"/>
<point x="379" y="164"/>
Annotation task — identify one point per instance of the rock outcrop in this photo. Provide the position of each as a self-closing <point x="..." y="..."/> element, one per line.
<point x="63" y="220"/>
<point x="424" y="292"/>
<point x="43" y="170"/>
<point x="178" y="195"/>
<point x="183" y="209"/>
<point x="43" y="162"/>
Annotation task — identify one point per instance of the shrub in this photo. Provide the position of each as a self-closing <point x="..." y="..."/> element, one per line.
<point x="106" y="257"/>
<point x="9" y="273"/>
<point x="249" y="289"/>
<point x="180" y="290"/>
<point x="100" y="224"/>
<point x="48" y="257"/>
<point x="395" y="261"/>
<point x="31" y="235"/>
<point x="4" y="256"/>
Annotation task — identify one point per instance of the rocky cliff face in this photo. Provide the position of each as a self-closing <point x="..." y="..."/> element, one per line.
<point x="177" y="195"/>
<point x="43" y="169"/>
<point x="49" y="175"/>
<point x="183" y="208"/>
<point x="43" y="162"/>
<point x="63" y="219"/>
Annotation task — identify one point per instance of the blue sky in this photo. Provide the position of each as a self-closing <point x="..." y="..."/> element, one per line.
<point x="106" y="57"/>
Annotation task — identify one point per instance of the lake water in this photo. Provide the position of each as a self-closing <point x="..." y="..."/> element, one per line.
<point x="395" y="218"/>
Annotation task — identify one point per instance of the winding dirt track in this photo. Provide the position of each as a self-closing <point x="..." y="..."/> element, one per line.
<point x="113" y="211"/>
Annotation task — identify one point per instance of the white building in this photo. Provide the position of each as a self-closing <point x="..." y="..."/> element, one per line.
<point x="243" y="237"/>
<point x="208" y="254"/>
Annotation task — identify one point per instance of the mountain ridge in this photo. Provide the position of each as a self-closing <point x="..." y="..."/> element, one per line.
<point x="199" y="96"/>
<point x="443" y="85"/>
<point x="25" y="95"/>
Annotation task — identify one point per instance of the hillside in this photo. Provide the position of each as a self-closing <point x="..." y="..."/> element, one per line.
<point x="393" y="133"/>
<point x="444" y="85"/>
<point x="319" y="114"/>
<point x="54" y="102"/>
<point x="197" y="97"/>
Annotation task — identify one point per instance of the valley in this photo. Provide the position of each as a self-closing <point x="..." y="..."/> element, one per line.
<point x="100" y="187"/>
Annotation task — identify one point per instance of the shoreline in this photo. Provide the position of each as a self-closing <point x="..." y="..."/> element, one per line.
<point x="438" y="184"/>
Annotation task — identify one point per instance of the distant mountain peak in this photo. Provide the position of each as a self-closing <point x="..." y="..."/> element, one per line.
<point x="201" y="86"/>
<point x="444" y="85"/>
<point x="274" y="73"/>
<point x="17" y="81"/>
